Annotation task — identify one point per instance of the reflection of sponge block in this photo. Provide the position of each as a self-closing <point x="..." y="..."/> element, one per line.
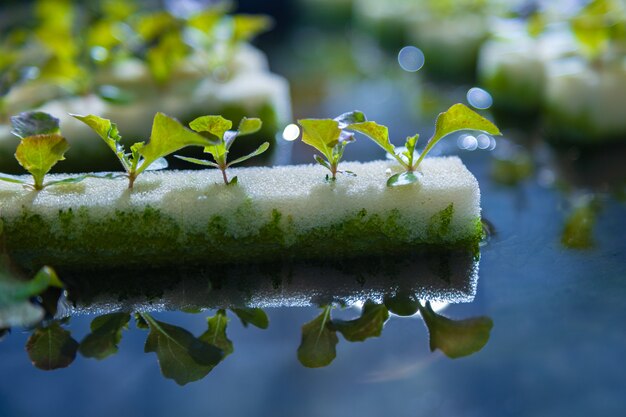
<point x="181" y="217"/>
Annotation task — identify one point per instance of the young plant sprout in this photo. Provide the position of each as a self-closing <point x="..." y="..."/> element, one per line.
<point x="218" y="129"/>
<point x="458" y="117"/>
<point x="327" y="136"/>
<point x="167" y="136"/>
<point x="41" y="147"/>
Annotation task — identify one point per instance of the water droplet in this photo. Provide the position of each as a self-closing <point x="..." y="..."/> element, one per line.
<point x="479" y="98"/>
<point x="411" y="58"/>
<point x="291" y="132"/>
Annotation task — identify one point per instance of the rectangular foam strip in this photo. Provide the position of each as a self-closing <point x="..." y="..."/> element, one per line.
<point x="192" y="217"/>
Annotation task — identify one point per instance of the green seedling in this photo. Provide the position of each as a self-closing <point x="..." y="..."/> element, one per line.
<point x="218" y="129"/>
<point x="456" y="118"/>
<point x="41" y="147"/>
<point x="167" y="136"/>
<point x="327" y="136"/>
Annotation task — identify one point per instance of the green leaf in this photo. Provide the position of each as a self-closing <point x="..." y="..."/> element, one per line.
<point x="38" y="154"/>
<point x="15" y="307"/>
<point x="182" y="357"/>
<point x="536" y="24"/>
<point x="166" y="55"/>
<point x="403" y="178"/>
<point x="378" y="133"/>
<point x="9" y="178"/>
<point x="322" y="134"/>
<point x="403" y="303"/>
<point x="168" y="136"/>
<point x="349" y="118"/>
<point x="140" y="322"/>
<point x="247" y="126"/>
<point x="13" y="289"/>
<point x="197" y="161"/>
<point x="51" y="347"/>
<point x="216" y="334"/>
<point x="318" y="345"/>
<point x="411" y="141"/>
<point x="456" y="338"/>
<point x="247" y="26"/>
<point x="258" y="151"/>
<point x="321" y="161"/>
<point x="458" y="117"/>
<point x="215" y="125"/>
<point x="579" y="225"/>
<point x="593" y="25"/>
<point x="370" y="324"/>
<point x="34" y="123"/>
<point x="115" y="95"/>
<point x="109" y="133"/>
<point x="106" y="333"/>
<point x="253" y="316"/>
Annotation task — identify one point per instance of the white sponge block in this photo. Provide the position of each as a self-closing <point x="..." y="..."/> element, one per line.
<point x="271" y="213"/>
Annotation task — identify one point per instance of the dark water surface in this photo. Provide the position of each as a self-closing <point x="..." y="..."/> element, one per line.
<point x="556" y="348"/>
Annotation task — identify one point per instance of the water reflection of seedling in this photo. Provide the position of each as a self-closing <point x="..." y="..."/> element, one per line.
<point x="578" y="229"/>
<point x="182" y="356"/>
<point x="51" y="347"/>
<point x="458" y="117"/>
<point x="327" y="136"/>
<point x="41" y="147"/>
<point x="455" y="338"/>
<point x="167" y="136"/>
<point x="218" y="129"/>
<point x="319" y="336"/>
<point x="16" y="308"/>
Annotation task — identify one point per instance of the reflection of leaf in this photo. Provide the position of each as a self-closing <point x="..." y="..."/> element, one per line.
<point x="51" y="347"/>
<point x="317" y="347"/>
<point x="456" y="338"/>
<point x="106" y="333"/>
<point x="578" y="230"/>
<point x="216" y="334"/>
<point x="182" y="357"/>
<point x="140" y="322"/>
<point x="370" y="324"/>
<point x="403" y="303"/>
<point x="253" y="316"/>
<point x="15" y="307"/>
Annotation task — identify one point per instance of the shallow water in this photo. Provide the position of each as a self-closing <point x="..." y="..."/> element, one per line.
<point x="556" y="347"/>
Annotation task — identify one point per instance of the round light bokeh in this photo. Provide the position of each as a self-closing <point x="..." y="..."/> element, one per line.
<point x="291" y="132"/>
<point x="411" y="58"/>
<point x="479" y="98"/>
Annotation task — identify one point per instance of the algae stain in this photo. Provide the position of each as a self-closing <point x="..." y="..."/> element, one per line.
<point x="439" y="224"/>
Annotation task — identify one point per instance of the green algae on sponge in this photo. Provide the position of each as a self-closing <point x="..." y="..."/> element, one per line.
<point x="191" y="217"/>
